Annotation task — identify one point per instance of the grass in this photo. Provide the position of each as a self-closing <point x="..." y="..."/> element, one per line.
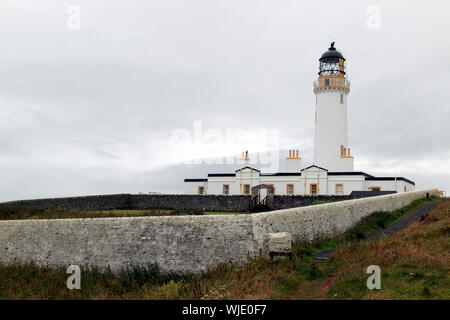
<point x="58" y="213"/>
<point x="316" y="202"/>
<point x="220" y="212"/>
<point x="414" y="265"/>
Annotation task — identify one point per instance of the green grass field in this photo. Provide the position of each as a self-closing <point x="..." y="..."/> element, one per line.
<point x="414" y="264"/>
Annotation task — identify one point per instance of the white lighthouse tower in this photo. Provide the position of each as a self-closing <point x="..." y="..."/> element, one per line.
<point x="332" y="172"/>
<point x="331" y="149"/>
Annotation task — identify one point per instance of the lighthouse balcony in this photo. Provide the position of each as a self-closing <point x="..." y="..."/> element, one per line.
<point x="332" y="82"/>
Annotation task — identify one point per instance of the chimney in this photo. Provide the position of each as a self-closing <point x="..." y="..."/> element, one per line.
<point x="245" y="160"/>
<point x="293" y="162"/>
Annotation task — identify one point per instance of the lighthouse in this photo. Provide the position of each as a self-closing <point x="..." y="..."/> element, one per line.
<point x="331" y="150"/>
<point x="331" y="172"/>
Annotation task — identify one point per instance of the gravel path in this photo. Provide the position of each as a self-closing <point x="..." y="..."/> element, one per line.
<point x="393" y="228"/>
<point x="404" y="221"/>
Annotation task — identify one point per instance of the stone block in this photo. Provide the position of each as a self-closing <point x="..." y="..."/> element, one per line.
<point x="280" y="242"/>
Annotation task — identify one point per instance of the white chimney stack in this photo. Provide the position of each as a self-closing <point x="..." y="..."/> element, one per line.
<point x="293" y="161"/>
<point x="245" y="160"/>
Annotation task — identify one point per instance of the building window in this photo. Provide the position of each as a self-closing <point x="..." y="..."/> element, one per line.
<point x="327" y="82"/>
<point x="290" y="189"/>
<point x="342" y="98"/>
<point x="404" y="188"/>
<point x="375" y="188"/>
<point x="201" y="190"/>
<point x="313" y="189"/>
<point x="339" y="189"/>
<point x="246" y="189"/>
<point x="226" y="189"/>
<point x="271" y="185"/>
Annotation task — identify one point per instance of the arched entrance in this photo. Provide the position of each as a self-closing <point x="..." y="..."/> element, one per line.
<point x="262" y="197"/>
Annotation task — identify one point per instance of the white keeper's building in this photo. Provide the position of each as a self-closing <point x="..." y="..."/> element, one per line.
<point x="332" y="172"/>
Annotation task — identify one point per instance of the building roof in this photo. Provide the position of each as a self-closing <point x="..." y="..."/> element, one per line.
<point x="370" y="193"/>
<point x="349" y="173"/>
<point x="314" y="167"/>
<point x="332" y="55"/>
<point x="367" y="176"/>
<point x="391" y="179"/>
<point x="221" y="174"/>
<point x="281" y="174"/>
<point x="247" y="167"/>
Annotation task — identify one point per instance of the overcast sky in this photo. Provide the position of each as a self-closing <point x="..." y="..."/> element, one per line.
<point x="94" y="94"/>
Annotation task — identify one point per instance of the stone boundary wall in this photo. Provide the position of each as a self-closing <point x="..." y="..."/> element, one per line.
<point x="235" y="203"/>
<point x="286" y="202"/>
<point x="187" y="201"/>
<point x="97" y="202"/>
<point x="137" y="201"/>
<point x="180" y="243"/>
<point x="311" y="223"/>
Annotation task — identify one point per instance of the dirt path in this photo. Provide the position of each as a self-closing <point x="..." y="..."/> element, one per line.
<point x="393" y="228"/>
<point x="404" y="221"/>
<point x="415" y="215"/>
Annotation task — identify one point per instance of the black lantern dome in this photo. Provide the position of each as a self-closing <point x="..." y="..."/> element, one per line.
<point x="332" y="63"/>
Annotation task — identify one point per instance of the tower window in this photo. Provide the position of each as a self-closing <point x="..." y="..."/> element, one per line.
<point x="201" y="190"/>
<point x="290" y="189"/>
<point x="342" y="98"/>
<point x="226" y="189"/>
<point x="339" y="189"/>
<point x="313" y="189"/>
<point x="327" y="82"/>
<point x="246" y="189"/>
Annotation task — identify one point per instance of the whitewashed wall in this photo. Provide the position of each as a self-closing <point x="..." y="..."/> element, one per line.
<point x="390" y="185"/>
<point x="181" y="243"/>
<point x="327" y="183"/>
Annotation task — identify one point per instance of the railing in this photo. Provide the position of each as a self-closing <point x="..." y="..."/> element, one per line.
<point x="260" y="205"/>
<point x="263" y="202"/>
<point x="332" y="82"/>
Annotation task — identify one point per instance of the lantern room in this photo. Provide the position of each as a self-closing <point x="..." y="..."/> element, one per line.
<point x="332" y="63"/>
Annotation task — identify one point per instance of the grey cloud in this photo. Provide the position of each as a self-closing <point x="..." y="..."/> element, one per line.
<point x="92" y="111"/>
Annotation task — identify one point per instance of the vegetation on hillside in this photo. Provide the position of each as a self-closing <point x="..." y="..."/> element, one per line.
<point x="414" y="263"/>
